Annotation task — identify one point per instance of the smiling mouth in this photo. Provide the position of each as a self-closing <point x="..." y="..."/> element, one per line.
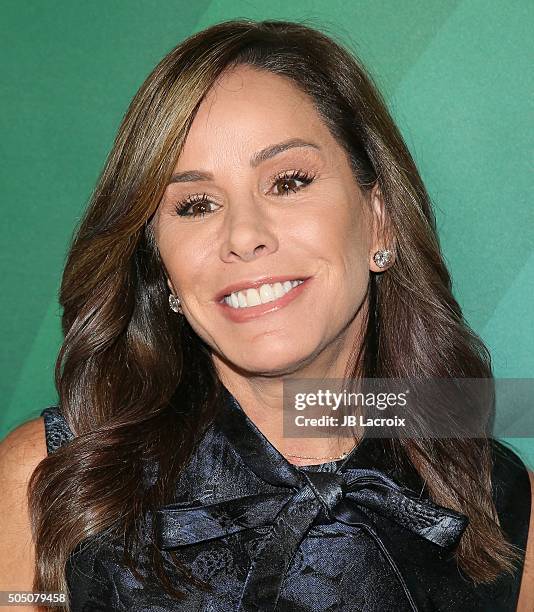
<point x="248" y="298"/>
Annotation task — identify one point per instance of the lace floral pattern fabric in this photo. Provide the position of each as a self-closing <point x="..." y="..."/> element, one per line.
<point x="57" y="430"/>
<point x="352" y="535"/>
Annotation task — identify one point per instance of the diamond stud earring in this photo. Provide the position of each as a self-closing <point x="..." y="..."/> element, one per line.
<point x="174" y="303"/>
<point x="382" y="257"/>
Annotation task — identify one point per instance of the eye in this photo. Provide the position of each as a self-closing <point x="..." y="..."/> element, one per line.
<point x="198" y="201"/>
<point x="199" y="204"/>
<point x="288" y="181"/>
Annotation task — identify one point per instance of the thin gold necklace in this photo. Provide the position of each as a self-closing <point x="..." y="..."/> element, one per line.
<point x="323" y="458"/>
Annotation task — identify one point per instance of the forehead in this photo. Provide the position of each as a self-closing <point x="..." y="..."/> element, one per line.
<point x="247" y="109"/>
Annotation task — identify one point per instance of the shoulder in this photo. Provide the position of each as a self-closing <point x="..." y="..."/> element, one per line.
<point x="20" y="453"/>
<point x="23" y="448"/>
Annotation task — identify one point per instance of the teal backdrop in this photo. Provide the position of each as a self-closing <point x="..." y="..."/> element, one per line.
<point x="457" y="76"/>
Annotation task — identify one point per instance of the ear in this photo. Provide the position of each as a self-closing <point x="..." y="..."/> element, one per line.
<point x="381" y="234"/>
<point x="169" y="284"/>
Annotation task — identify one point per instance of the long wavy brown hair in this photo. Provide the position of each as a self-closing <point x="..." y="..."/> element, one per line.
<point x="135" y="382"/>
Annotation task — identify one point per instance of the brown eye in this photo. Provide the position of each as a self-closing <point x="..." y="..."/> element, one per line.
<point x="199" y="204"/>
<point x="289" y="182"/>
<point x="200" y="209"/>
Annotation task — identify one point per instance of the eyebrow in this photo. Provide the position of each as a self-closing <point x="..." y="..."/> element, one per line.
<point x="258" y="158"/>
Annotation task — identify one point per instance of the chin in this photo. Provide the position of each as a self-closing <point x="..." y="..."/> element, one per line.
<point x="272" y="361"/>
<point x="273" y="370"/>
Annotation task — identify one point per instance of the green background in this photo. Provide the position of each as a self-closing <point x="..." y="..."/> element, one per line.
<point x="457" y="76"/>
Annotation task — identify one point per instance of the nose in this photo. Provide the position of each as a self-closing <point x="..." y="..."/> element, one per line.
<point x="247" y="234"/>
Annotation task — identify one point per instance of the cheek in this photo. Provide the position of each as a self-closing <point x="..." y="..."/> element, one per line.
<point x="353" y="249"/>
<point x="340" y="240"/>
<point x="182" y="253"/>
<point x="335" y="232"/>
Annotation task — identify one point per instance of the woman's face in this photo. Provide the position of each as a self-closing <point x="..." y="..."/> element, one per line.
<point x="263" y="194"/>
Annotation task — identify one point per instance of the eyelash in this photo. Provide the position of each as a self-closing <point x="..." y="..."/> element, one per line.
<point x="182" y="207"/>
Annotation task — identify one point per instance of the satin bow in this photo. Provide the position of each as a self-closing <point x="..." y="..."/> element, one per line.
<point x="308" y="498"/>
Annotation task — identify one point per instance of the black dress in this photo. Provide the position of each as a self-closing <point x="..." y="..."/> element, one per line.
<point x="352" y="535"/>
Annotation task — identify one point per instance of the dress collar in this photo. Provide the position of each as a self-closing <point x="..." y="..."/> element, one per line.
<point x="269" y="464"/>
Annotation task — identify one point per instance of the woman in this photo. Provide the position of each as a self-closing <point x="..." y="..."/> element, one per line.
<point x="259" y="218"/>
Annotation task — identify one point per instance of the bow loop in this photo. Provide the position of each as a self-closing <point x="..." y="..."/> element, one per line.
<point x="377" y="492"/>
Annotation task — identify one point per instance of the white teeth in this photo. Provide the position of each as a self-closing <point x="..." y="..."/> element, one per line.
<point x="253" y="297"/>
<point x="278" y="290"/>
<point x="262" y="295"/>
<point x="266" y="294"/>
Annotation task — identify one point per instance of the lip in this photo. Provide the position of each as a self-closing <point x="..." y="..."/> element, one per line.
<point x="255" y="283"/>
<point x="241" y="315"/>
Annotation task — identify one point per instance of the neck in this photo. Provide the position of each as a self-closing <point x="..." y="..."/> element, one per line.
<point x="261" y="398"/>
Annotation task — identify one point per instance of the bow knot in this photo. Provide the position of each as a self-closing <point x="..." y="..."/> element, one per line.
<point x="329" y="489"/>
<point x="321" y="497"/>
